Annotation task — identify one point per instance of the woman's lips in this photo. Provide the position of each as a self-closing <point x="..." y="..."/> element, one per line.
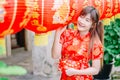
<point x="80" y="25"/>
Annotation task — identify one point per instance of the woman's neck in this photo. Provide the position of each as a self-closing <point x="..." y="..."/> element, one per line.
<point x="83" y="33"/>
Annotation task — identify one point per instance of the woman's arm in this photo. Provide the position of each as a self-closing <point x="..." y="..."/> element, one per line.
<point x="56" y="48"/>
<point x="88" y="71"/>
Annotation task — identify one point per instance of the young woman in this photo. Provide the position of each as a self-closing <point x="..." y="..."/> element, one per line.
<point x="76" y="48"/>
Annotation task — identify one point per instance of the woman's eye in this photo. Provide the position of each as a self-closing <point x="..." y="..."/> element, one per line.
<point x="87" y="20"/>
<point x="82" y="16"/>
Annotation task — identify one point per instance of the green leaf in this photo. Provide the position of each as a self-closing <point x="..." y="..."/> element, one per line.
<point x="117" y="21"/>
<point x="3" y="78"/>
<point x="117" y="57"/>
<point x="2" y="64"/>
<point x="112" y="33"/>
<point x="110" y="47"/>
<point x="117" y="63"/>
<point x="115" y="41"/>
<point x="12" y="70"/>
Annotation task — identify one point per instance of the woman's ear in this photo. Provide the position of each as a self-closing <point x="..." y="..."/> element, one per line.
<point x="93" y="25"/>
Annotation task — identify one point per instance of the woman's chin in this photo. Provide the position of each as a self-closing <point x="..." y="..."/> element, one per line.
<point x="81" y="29"/>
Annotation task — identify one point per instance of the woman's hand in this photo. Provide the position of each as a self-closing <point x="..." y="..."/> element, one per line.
<point x="60" y="30"/>
<point x="94" y="70"/>
<point x="71" y="71"/>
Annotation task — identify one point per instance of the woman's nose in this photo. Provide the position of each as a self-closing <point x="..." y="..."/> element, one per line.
<point x="81" y="22"/>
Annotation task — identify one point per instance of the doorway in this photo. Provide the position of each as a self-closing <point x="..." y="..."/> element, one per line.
<point x="18" y="40"/>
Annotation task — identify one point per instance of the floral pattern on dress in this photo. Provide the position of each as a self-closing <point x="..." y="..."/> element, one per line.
<point x="75" y="53"/>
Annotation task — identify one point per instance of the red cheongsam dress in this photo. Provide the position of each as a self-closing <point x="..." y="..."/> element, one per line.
<point x="75" y="53"/>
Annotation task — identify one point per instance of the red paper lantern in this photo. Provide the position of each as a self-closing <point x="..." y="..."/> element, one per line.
<point x="115" y="7"/>
<point x="11" y="15"/>
<point x="50" y="14"/>
<point x="105" y="7"/>
<point x="42" y="16"/>
<point x="119" y="6"/>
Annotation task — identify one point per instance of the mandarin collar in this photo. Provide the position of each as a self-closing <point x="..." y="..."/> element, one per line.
<point x="83" y="38"/>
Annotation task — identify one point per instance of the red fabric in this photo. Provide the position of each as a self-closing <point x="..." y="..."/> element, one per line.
<point x="75" y="53"/>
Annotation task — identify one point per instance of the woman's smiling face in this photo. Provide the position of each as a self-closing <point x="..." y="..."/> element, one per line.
<point x="84" y="22"/>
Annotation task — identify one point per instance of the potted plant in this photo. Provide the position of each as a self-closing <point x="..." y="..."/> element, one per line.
<point x="112" y="43"/>
<point x="111" y="49"/>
